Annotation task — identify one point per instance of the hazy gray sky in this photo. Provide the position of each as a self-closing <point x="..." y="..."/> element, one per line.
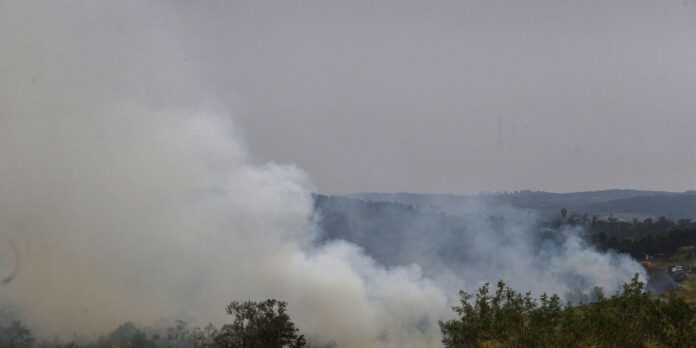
<point x="114" y="125"/>
<point x="445" y="96"/>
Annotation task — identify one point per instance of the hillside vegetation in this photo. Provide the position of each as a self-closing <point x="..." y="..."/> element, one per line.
<point x="501" y="317"/>
<point x="632" y="318"/>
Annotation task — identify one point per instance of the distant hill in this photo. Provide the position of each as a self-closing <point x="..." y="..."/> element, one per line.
<point x="399" y="234"/>
<point x="621" y="203"/>
<point x="681" y="206"/>
<point x="393" y="233"/>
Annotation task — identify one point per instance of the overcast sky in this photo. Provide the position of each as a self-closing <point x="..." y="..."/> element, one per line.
<point x="430" y="96"/>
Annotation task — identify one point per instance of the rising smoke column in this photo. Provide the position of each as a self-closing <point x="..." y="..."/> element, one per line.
<point x="129" y="203"/>
<point x="126" y="222"/>
<point x="131" y="196"/>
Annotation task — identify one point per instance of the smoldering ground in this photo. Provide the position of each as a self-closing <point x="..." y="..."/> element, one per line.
<point x="130" y="196"/>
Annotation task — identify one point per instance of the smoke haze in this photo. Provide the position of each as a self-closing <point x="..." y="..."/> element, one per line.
<point x="130" y="195"/>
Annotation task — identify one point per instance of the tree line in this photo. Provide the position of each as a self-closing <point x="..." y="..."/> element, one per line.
<point x="663" y="245"/>
<point x="631" y="318"/>
<point x="263" y="324"/>
<point x="500" y="317"/>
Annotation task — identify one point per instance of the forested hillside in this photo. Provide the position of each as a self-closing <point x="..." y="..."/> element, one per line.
<point x="629" y="203"/>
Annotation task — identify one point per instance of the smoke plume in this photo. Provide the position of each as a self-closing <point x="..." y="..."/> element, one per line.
<point x="130" y="196"/>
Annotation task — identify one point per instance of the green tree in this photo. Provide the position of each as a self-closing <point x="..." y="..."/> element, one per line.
<point x="259" y="325"/>
<point x="631" y="318"/>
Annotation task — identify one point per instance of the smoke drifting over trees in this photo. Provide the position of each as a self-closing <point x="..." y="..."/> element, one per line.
<point x="128" y="199"/>
<point x="483" y="243"/>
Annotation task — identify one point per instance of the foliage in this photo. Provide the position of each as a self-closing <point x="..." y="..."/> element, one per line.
<point x="631" y="318"/>
<point x="182" y="335"/>
<point x="665" y="245"/>
<point x="256" y="325"/>
<point x="15" y="335"/>
<point x="259" y="325"/>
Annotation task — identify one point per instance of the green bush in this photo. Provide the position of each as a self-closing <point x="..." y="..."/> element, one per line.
<point x="631" y="318"/>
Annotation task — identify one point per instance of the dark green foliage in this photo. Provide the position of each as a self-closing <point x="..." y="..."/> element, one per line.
<point x="15" y="335"/>
<point x="627" y="319"/>
<point x="259" y="325"/>
<point x="256" y="325"/>
<point x="182" y="335"/>
<point x="127" y="335"/>
<point x="665" y="244"/>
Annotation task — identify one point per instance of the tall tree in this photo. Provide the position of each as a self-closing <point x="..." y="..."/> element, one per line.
<point x="259" y="325"/>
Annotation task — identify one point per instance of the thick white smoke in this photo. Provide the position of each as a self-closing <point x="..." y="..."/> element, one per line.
<point x="477" y="243"/>
<point x="126" y="202"/>
<point x="119" y="222"/>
